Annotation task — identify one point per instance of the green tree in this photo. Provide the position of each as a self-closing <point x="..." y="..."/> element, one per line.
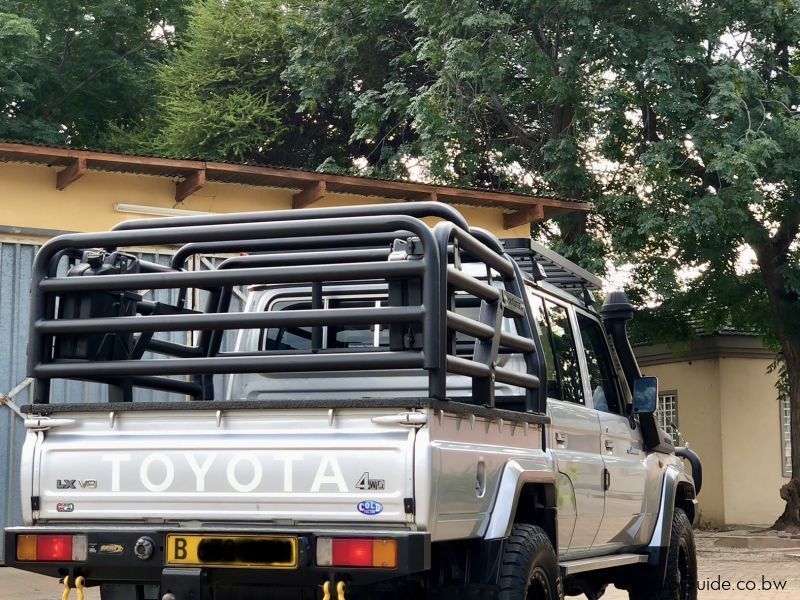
<point x="679" y="119"/>
<point x="68" y="69"/>
<point x="490" y="95"/>
<point x="701" y="125"/>
<point x="222" y="96"/>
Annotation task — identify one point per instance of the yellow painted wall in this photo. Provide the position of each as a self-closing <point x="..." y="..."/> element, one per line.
<point x="698" y="389"/>
<point x="751" y="441"/>
<point x="729" y="413"/>
<point x="29" y="198"/>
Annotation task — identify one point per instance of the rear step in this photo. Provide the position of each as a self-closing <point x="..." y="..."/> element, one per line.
<point x="573" y="567"/>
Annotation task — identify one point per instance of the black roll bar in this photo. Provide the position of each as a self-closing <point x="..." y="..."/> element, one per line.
<point x="384" y="244"/>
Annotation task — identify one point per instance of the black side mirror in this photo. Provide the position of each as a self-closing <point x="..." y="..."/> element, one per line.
<point x="645" y="395"/>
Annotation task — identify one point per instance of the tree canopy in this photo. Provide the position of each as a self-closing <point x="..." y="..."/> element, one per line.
<point x="678" y="119"/>
<point x="69" y="70"/>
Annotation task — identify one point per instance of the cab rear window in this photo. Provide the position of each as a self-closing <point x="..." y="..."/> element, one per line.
<point x="299" y="339"/>
<point x="340" y="336"/>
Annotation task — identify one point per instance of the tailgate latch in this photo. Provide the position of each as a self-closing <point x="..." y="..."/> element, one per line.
<point x="411" y="419"/>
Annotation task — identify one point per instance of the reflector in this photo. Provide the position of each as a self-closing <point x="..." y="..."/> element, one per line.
<point x="384" y="554"/>
<point x="26" y="547"/>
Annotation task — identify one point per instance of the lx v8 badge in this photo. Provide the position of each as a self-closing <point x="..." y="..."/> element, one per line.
<point x="71" y="484"/>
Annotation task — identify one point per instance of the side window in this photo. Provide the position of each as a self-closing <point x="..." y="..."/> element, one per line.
<point x="602" y="380"/>
<point x="537" y="306"/>
<point x="558" y="342"/>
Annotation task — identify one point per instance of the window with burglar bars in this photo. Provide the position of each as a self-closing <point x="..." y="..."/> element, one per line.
<point x="786" y="437"/>
<point x="667" y="414"/>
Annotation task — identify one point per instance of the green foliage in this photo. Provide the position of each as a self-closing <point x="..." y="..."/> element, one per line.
<point x="223" y="96"/>
<point x="702" y="127"/>
<point x="69" y="69"/>
<point x="678" y="119"/>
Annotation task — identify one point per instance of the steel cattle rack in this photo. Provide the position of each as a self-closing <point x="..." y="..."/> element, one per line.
<point x="92" y="324"/>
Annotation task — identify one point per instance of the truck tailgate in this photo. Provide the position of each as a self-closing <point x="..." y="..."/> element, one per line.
<point x="279" y="465"/>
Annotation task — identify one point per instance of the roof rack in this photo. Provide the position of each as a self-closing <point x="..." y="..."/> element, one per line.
<point x="92" y="324"/>
<point x="543" y="263"/>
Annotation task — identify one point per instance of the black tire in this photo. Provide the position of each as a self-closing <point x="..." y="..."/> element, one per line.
<point x="680" y="582"/>
<point x="530" y="566"/>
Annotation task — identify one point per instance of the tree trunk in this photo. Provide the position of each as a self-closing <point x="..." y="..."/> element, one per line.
<point x="790" y="492"/>
<point x="772" y="257"/>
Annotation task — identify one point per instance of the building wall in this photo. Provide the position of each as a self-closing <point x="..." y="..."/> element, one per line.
<point x="29" y="199"/>
<point x="698" y="392"/>
<point x="729" y="414"/>
<point x="751" y="441"/>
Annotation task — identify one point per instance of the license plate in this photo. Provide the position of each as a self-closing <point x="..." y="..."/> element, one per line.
<point x="243" y="551"/>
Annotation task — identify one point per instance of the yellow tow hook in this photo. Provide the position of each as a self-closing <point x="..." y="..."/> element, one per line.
<point x="67" y="589"/>
<point x="326" y="591"/>
<point x="80" y="584"/>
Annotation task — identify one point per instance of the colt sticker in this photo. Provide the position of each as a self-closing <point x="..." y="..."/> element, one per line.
<point x="370" y="507"/>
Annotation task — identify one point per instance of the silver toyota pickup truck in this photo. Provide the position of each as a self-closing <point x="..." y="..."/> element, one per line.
<point x="405" y="405"/>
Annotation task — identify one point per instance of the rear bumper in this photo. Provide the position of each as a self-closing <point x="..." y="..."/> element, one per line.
<point x="111" y="558"/>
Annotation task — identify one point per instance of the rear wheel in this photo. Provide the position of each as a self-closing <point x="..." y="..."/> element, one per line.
<point x="530" y="567"/>
<point x="680" y="582"/>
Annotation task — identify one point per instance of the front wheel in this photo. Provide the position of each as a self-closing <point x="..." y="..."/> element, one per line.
<point x="530" y="566"/>
<point x="680" y="582"/>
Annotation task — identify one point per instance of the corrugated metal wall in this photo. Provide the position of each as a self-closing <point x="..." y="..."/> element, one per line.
<point x="16" y="260"/>
<point x="15" y="273"/>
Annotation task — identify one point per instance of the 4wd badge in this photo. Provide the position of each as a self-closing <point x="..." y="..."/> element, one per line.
<point x="365" y="483"/>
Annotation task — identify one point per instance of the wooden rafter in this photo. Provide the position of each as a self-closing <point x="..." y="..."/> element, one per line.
<point x="191" y="183"/>
<point x="310" y="195"/>
<point x="313" y="186"/>
<point x="523" y="216"/>
<point x="75" y="169"/>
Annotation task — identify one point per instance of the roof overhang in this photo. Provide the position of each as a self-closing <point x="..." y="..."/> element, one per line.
<point x="308" y="187"/>
<point x="708" y="347"/>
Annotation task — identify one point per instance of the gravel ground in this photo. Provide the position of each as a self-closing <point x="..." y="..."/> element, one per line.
<point x="756" y="569"/>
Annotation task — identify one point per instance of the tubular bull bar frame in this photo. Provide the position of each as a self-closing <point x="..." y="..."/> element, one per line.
<point x="421" y="267"/>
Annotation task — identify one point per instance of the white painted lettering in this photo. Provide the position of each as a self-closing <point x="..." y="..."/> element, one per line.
<point x="200" y="471"/>
<point x="323" y="477"/>
<point x="169" y="472"/>
<point x="288" y="469"/>
<point x="257" y="473"/>
<point x="116" y="460"/>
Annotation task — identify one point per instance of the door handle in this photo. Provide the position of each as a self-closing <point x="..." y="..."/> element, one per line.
<point x="609" y="444"/>
<point x="561" y="437"/>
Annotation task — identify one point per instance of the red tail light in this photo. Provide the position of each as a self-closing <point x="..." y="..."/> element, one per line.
<point x="54" y="548"/>
<point x="379" y="553"/>
<point x="352" y="552"/>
